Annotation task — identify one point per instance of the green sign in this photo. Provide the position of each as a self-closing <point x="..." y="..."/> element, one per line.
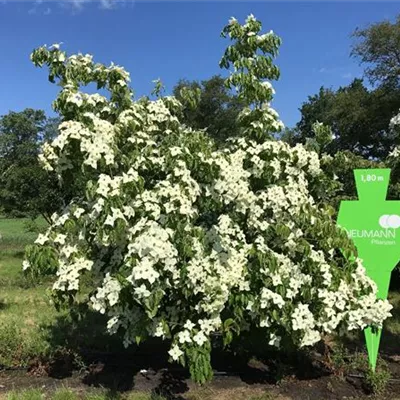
<point x="373" y="223"/>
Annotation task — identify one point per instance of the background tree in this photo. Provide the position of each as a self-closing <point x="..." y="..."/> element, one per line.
<point x="378" y="47"/>
<point x="316" y="108"/>
<point x="20" y="133"/>
<point x="217" y="108"/>
<point x="359" y="119"/>
<point x="289" y="135"/>
<point x="26" y="189"/>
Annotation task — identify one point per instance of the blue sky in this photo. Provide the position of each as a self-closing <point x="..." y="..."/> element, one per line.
<point x="172" y="40"/>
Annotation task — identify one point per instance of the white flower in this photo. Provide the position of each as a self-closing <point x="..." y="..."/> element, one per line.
<point x="232" y="20"/>
<point x="274" y="340"/>
<point x="142" y="291"/>
<point x="250" y="18"/>
<point x="310" y="338"/>
<point x="395" y="121"/>
<point x="110" y="220"/>
<point x="184" y="337"/>
<point x="25" y="265"/>
<point x="60" y="238"/>
<point x="55" y="46"/>
<point x="41" y="239"/>
<point x="175" y="151"/>
<point x="189" y="325"/>
<point x="302" y="318"/>
<point x="78" y="212"/>
<point x="67" y="250"/>
<point x="175" y="352"/>
<point x="265" y="323"/>
<point x="200" y="338"/>
<point x="113" y="324"/>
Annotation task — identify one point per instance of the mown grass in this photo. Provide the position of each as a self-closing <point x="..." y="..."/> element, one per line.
<point x="14" y="236"/>
<point x="24" y="312"/>
<point x="24" y="306"/>
<point x="70" y="394"/>
<point x="30" y="326"/>
<point x="196" y="394"/>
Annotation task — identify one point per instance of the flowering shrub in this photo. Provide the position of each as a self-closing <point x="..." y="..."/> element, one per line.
<point x="393" y="160"/>
<point x="174" y="238"/>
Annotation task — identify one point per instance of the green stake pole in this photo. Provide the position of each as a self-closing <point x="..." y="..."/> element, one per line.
<point x="372" y="222"/>
<point x="373" y="337"/>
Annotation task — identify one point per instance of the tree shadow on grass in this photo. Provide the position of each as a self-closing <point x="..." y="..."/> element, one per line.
<point x="3" y="305"/>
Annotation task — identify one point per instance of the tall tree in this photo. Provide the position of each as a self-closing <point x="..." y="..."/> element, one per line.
<point x="359" y="118"/>
<point x="216" y="110"/>
<point x="20" y="134"/>
<point x="25" y="187"/>
<point x="378" y="47"/>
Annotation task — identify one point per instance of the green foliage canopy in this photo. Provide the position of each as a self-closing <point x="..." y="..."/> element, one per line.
<point x="25" y="187"/>
<point x="216" y="110"/>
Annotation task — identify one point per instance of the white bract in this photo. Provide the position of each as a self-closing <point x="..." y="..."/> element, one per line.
<point x="183" y="241"/>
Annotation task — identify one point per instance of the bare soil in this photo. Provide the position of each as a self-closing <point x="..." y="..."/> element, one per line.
<point x="235" y="378"/>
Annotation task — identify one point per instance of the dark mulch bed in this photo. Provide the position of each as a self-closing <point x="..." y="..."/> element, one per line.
<point x="147" y="369"/>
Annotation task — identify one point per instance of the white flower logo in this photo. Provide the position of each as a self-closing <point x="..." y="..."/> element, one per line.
<point x="389" y="221"/>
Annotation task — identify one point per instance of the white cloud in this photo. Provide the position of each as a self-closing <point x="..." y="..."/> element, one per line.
<point x="330" y="70"/>
<point x="339" y="71"/>
<point x="102" y="4"/>
<point x="75" y="5"/>
<point x="112" y="4"/>
<point x="107" y="4"/>
<point x="39" y="9"/>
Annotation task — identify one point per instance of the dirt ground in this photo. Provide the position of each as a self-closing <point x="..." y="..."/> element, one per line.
<point x="233" y="380"/>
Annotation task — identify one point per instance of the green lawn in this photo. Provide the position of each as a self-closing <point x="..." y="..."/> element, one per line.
<point x="69" y="394"/>
<point x="14" y="236"/>
<point x="194" y="394"/>
<point x="24" y="307"/>
<point x="30" y="326"/>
